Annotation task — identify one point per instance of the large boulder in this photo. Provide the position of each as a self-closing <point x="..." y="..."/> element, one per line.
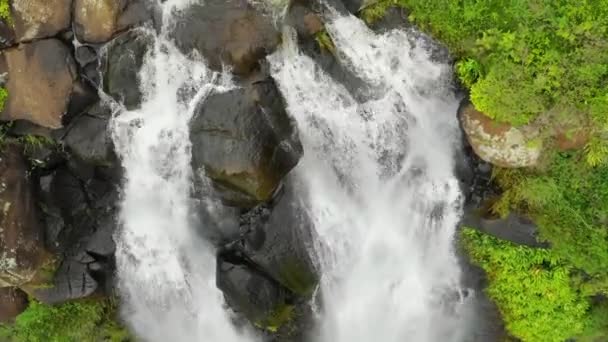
<point x="97" y="21"/>
<point x="34" y="19"/>
<point x="120" y="64"/>
<point x="263" y="301"/>
<point x="499" y="143"/>
<point x="278" y="239"/>
<point x="88" y="137"/>
<point x="22" y="251"/>
<point x="40" y="82"/>
<point x="230" y="32"/>
<point x="245" y="141"/>
<point x="12" y="302"/>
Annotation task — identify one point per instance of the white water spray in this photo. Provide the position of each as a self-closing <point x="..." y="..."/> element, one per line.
<point x="382" y="190"/>
<point x="166" y="272"/>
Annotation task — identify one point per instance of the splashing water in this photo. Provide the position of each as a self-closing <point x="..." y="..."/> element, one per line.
<point x="380" y="177"/>
<point x="166" y="273"/>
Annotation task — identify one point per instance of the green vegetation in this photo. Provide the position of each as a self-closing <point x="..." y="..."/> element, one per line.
<point x="5" y="10"/>
<point x="281" y="316"/>
<point x="324" y="41"/>
<point x="533" y="289"/>
<point x="88" y="321"/>
<point x="3" y="91"/>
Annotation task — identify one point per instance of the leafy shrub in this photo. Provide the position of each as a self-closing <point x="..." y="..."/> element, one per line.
<point x="5" y="10"/>
<point x="538" y="54"/>
<point x="532" y="288"/>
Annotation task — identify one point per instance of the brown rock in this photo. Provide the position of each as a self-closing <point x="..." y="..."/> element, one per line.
<point x="313" y="23"/>
<point x="228" y="32"/>
<point x="41" y="76"/>
<point x="498" y="143"/>
<point x="35" y="19"/>
<point x="12" y="302"/>
<point x="21" y="234"/>
<point x="97" y="21"/>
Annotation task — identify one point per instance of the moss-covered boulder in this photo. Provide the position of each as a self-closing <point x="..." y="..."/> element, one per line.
<point x="499" y="143"/>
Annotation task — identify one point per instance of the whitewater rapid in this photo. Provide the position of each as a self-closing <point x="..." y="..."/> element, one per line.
<point x="377" y="171"/>
<point x="380" y="176"/>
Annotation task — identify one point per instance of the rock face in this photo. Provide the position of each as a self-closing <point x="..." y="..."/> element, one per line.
<point x="34" y="19"/>
<point x="41" y="78"/>
<point x="120" y="66"/>
<point x="12" y="302"/>
<point x="97" y="21"/>
<point x="22" y="251"/>
<point x="279" y="240"/>
<point x="263" y="301"/>
<point x="88" y="137"/>
<point x="244" y="141"/>
<point x="227" y="32"/>
<point x="498" y="143"/>
<point x="268" y="274"/>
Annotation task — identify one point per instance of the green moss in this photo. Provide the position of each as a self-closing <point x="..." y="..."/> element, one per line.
<point x="376" y="11"/>
<point x="324" y="41"/>
<point x="297" y="276"/>
<point x="3" y="93"/>
<point x="5" y="11"/>
<point x="85" y="321"/>
<point x="277" y="318"/>
<point x="532" y="288"/>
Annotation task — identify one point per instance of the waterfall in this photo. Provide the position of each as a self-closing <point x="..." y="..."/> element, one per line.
<point x="166" y="272"/>
<point x="379" y="175"/>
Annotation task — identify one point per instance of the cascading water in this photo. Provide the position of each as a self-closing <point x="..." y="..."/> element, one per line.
<point x="166" y="272"/>
<point x="378" y="174"/>
<point x="381" y="182"/>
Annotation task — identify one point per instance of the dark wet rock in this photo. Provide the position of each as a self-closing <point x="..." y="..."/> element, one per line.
<point x="7" y="34"/>
<point x="40" y="82"/>
<point x="230" y="32"/>
<point x="97" y="21"/>
<point x="83" y="97"/>
<point x="263" y="301"/>
<point x="121" y="63"/>
<point x="85" y="54"/>
<point x="40" y="19"/>
<point x="279" y="240"/>
<point x="12" y="302"/>
<point x="72" y="281"/>
<point x="245" y="141"/>
<point x="88" y="138"/>
<point x="22" y="251"/>
<point x="517" y="229"/>
<point x="394" y="18"/>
